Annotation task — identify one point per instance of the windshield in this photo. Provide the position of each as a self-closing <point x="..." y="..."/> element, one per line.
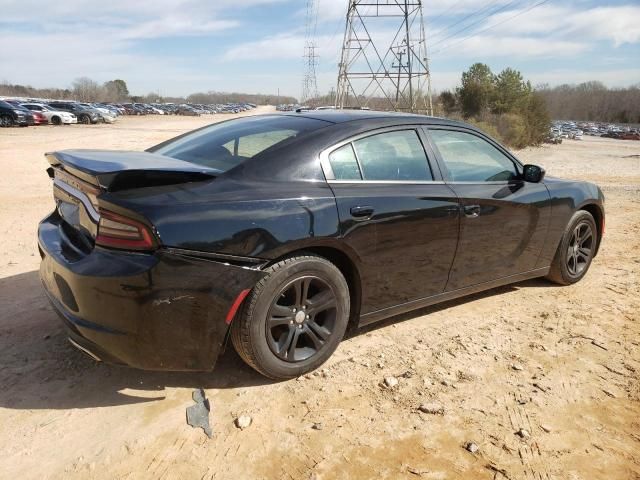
<point x="225" y="145"/>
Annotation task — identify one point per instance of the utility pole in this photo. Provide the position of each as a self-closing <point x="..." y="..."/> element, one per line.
<point x="310" y="82"/>
<point x="374" y="72"/>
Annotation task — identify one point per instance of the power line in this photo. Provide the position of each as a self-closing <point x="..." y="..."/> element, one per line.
<point x="467" y="27"/>
<point x="447" y="27"/>
<point x="446" y="47"/>
<point x="438" y="17"/>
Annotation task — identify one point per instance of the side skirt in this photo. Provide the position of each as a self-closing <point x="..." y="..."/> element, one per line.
<point x="446" y="296"/>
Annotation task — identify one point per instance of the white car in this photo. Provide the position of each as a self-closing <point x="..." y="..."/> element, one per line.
<point x="55" y="117"/>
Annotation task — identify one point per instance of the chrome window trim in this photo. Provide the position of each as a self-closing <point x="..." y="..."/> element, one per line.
<point x="388" y="182"/>
<point x="328" y="170"/>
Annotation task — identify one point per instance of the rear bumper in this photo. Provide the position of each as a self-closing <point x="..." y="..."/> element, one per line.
<point x="161" y="311"/>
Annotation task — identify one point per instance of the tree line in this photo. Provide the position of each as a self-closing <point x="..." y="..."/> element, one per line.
<point x="85" y="89"/>
<point x="592" y="101"/>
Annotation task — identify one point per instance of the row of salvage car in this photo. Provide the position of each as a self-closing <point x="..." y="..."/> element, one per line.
<point x="576" y="130"/>
<point x="23" y="112"/>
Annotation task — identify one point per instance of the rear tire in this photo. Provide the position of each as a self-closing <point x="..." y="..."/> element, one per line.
<point x="294" y="318"/>
<point x="576" y="250"/>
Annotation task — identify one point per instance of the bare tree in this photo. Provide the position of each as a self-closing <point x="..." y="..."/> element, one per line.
<point x="86" y="90"/>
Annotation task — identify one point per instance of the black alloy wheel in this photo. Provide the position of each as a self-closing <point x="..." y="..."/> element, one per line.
<point x="85" y="120"/>
<point x="301" y="319"/>
<point x="294" y="317"/>
<point x="580" y="248"/>
<point x="56" y="120"/>
<point x="576" y="250"/>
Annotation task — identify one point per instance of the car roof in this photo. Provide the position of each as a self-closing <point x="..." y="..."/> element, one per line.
<point x="347" y="115"/>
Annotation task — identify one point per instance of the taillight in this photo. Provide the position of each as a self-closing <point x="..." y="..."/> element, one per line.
<point x="118" y="231"/>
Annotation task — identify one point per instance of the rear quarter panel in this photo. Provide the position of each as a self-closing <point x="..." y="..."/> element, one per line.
<point x="244" y="218"/>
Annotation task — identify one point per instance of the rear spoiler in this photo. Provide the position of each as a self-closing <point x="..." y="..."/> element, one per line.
<point x="122" y="170"/>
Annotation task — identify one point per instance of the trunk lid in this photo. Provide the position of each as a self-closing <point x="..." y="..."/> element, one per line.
<point x="81" y="176"/>
<point x="120" y="170"/>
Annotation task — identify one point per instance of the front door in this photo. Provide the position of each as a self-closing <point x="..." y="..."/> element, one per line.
<point x="503" y="220"/>
<point x="396" y="213"/>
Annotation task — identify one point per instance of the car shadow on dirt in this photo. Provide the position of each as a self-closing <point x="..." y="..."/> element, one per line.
<point x="41" y="370"/>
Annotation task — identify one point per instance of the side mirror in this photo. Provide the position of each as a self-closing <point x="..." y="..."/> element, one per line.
<point x="533" y="173"/>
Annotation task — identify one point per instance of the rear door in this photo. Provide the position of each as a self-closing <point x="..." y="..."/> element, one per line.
<point x="504" y="219"/>
<point x="396" y="214"/>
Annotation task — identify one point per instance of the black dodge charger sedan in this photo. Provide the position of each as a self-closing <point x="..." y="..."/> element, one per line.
<point x="281" y="231"/>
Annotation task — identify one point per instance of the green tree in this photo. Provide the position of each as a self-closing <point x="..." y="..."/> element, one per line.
<point x="536" y="116"/>
<point x="510" y="91"/>
<point x="116" y="90"/>
<point x="477" y="90"/>
<point x="449" y="102"/>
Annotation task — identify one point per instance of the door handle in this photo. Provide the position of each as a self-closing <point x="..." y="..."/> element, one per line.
<point x="471" y="211"/>
<point x="362" y="212"/>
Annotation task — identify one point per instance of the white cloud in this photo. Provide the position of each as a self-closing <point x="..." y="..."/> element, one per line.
<point x="617" y="24"/>
<point x="489" y="46"/>
<point x="282" y="46"/>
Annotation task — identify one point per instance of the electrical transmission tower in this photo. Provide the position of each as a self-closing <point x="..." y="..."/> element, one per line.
<point x="310" y="83"/>
<point x="379" y="69"/>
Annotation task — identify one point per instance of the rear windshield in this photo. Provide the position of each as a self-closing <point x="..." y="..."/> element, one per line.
<point x="225" y="145"/>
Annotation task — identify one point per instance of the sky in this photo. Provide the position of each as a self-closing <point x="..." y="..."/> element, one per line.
<point x="177" y="47"/>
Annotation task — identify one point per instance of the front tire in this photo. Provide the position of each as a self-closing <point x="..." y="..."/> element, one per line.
<point x="576" y="250"/>
<point x="6" y="121"/>
<point x="294" y="318"/>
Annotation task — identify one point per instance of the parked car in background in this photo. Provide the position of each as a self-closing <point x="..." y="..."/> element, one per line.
<point x="133" y="109"/>
<point x="107" y="116"/>
<point x="84" y="115"/>
<point x="187" y="110"/>
<point x="38" y="118"/>
<point x="147" y="109"/>
<point x="110" y="109"/>
<point x="12" y="115"/>
<point x="54" y="117"/>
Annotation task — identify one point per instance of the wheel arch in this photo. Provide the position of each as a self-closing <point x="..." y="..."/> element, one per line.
<point x="598" y="215"/>
<point x="347" y="265"/>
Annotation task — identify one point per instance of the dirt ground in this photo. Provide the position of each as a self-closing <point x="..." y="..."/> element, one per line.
<point x="562" y="363"/>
